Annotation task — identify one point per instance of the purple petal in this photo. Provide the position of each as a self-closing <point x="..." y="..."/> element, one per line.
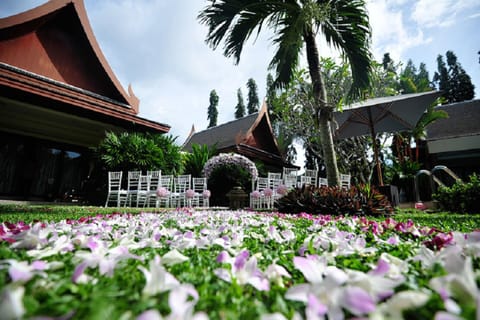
<point x="241" y="259"/>
<point x="222" y="257"/>
<point x="315" y="308"/>
<point x="78" y="271"/>
<point x="358" y="301"/>
<point x="381" y="269"/>
<point x="19" y="274"/>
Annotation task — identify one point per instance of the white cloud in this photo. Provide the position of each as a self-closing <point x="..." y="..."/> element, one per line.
<point x="441" y="13"/>
<point x="390" y="31"/>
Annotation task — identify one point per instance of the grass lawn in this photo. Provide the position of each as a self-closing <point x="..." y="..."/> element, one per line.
<point x="107" y="263"/>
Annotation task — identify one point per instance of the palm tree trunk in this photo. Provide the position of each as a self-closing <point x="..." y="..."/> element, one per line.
<point x="324" y="112"/>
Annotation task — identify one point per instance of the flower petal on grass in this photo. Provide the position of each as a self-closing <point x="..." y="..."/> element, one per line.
<point x="173" y="257"/>
<point x="311" y="267"/>
<point x="357" y="301"/>
<point x="157" y="278"/>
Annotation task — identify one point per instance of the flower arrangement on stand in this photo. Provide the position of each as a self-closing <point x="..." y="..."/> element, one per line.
<point x="230" y="158"/>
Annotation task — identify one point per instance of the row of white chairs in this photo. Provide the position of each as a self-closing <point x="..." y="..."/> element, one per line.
<point x="268" y="189"/>
<point x="155" y="189"/>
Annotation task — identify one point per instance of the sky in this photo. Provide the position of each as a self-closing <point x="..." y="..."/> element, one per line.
<point x="158" y="46"/>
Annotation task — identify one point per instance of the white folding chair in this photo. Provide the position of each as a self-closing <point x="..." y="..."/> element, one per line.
<point x="132" y="186"/>
<point x="290" y="182"/>
<point x="142" y="190"/>
<point x="163" y="191"/>
<point x="345" y="181"/>
<point x="151" y="196"/>
<point x="313" y="173"/>
<point x="180" y="186"/>
<point x="115" y="192"/>
<point x="262" y="195"/>
<point x="306" y="181"/>
<point x="289" y="172"/>
<point x="199" y="185"/>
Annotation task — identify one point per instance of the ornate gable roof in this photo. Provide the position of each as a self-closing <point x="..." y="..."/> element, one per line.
<point x="50" y="54"/>
<point x="251" y="135"/>
<point x="55" y="40"/>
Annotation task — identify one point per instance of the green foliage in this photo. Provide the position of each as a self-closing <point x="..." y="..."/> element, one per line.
<point x="335" y="201"/>
<point x="252" y="98"/>
<point x="461" y="197"/>
<point x="212" y="109"/>
<point x="454" y="82"/>
<point x="137" y="151"/>
<point x="240" y="107"/>
<point x="195" y="160"/>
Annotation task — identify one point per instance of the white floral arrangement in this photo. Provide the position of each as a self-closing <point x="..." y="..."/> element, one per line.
<point x="230" y="158"/>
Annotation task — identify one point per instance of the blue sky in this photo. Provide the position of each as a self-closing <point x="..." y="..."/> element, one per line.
<point x="177" y="70"/>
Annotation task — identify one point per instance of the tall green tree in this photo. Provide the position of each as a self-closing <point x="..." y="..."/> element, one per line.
<point x="212" y="109"/>
<point x="454" y="81"/>
<point x="252" y="98"/>
<point x="296" y="24"/>
<point x="240" y="107"/>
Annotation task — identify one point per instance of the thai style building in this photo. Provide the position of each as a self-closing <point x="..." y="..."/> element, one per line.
<point x="251" y="136"/>
<point x="58" y="97"/>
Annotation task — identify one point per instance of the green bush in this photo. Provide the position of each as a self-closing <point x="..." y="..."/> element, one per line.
<point x="460" y="197"/>
<point x="335" y="201"/>
<point x="137" y="151"/>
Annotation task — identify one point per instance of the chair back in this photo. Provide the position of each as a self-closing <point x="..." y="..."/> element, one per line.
<point x="166" y="182"/>
<point x="345" y="181"/>
<point x="143" y="183"/>
<point x="114" y="180"/>
<point x="262" y="183"/>
<point x="322" y="182"/>
<point x="289" y="172"/>
<point x="154" y="179"/>
<point x="199" y="184"/>
<point x="313" y="174"/>
<point x="306" y="180"/>
<point x="133" y="180"/>
<point x="181" y="183"/>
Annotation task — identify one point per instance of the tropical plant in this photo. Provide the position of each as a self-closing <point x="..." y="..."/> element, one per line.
<point x="195" y="160"/>
<point x="343" y="23"/>
<point x="137" y="151"/>
<point x="335" y="201"/>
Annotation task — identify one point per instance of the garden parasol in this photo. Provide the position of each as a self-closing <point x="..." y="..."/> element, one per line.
<point x="385" y="114"/>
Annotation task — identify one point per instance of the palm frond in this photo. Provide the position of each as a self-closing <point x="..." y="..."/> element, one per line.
<point x="348" y="29"/>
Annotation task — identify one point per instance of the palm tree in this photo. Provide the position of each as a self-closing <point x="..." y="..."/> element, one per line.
<point x="296" y="23"/>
